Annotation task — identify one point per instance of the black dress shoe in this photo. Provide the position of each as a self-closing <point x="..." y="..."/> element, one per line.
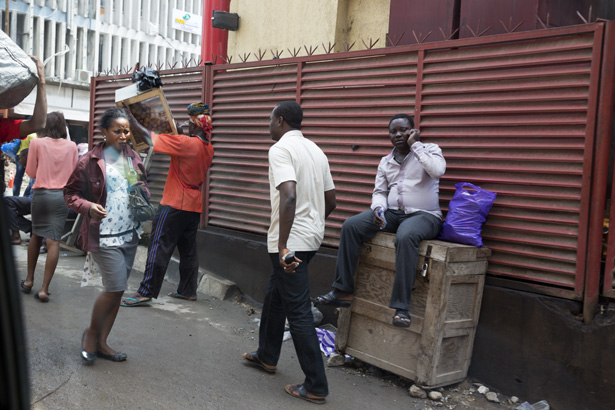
<point x="115" y="357"/>
<point x="86" y="357"/>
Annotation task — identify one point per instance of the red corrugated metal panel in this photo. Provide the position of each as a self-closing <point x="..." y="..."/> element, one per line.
<point x="181" y="87"/>
<point x="513" y="118"/>
<point x="606" y="122"/>
<point x="514" y="114"/>
<point x="346" y="102"/>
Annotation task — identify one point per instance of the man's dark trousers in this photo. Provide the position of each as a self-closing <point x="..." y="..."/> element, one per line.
<point x="172" y="227"/>
<point x="409" y="229"/>
<point x="288" y="296"/>
<point x="17" y="207"/>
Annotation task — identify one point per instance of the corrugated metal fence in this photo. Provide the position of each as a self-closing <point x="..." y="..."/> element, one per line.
<point x="515" y="114"/>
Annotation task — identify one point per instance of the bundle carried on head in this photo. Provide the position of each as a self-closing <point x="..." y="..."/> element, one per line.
<point x="199" y="114"/>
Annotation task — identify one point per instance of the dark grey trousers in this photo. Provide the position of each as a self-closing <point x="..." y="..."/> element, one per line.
<point x="410" y="229"/>
<point x="17" y="207"/>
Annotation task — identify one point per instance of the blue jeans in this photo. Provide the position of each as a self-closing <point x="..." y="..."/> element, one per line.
<point x="410" y="229"/>
<point x="19" y="171"/>
<point x="288" y="296"/>
<point x="28" y="192"/>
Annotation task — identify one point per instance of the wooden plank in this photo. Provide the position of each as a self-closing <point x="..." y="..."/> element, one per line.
<point x="440" y="250"/>
<point x="376" y="284"/>
<point x="343" y="328"/>
<point x="383" y="364"/>
<point x="432" y="329"/>
<point x="382" y="314"/>
<point x="461" y="301"/>
<point x="377" y="255"/>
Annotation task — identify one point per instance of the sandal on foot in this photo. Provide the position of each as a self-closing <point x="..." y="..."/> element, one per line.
<point x="176" y="295"/>
<point x="297" y="390"/>
<point x="44" y="300"/>
<point x="254" y="359"/>
<point x="24" y="288"/>
<point x="133" y="301"/>
<point x="331" y="299"/>
<point x="402" y="319"/>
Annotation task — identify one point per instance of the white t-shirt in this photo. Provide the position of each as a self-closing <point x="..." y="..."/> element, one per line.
<point x="296" y="158"/>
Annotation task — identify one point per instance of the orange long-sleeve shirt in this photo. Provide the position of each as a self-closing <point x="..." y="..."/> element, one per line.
<point x="190" y="160"/>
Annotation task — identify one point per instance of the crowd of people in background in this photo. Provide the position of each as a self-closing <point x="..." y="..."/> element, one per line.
<point x="97" y="185"/>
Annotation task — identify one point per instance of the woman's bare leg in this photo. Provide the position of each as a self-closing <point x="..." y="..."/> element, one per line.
<point x="103" y="317"/>
<point x="34" y="250"/>
<point x="53" y="254"/>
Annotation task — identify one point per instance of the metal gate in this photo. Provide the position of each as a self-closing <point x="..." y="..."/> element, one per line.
<point x="515" y="114"/>
<point x="527" y="115"/>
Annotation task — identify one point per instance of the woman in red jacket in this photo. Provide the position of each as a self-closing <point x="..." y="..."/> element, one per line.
<point x="98" y="190"/>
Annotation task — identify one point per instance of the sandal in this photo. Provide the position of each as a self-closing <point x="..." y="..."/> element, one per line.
<point x="133" y="301"/>
<point x="402" y="319"/>
<point x="176" y="295"/>
<point x="254" y="359"/>
<point x="331" y="299"/>
<point x="24" y="288"/>
<point x="297" y="390"/>
<point x="44" y="300"/>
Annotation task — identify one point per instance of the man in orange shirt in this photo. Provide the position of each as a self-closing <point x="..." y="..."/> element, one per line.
<point x="177" y="218"/>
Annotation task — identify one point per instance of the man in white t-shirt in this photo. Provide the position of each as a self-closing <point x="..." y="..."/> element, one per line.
<point x="302" y="196"/>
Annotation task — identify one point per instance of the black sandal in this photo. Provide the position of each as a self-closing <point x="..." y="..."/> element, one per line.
<point x="402" y="319"/>
<point x="331" y="299"/>
<point x="24" y="288"/>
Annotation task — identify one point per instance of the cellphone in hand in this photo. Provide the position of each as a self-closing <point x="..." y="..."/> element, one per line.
<point x="289" y="257"/>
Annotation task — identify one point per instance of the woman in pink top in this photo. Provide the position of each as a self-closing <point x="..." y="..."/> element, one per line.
<point x="51" y="161"/>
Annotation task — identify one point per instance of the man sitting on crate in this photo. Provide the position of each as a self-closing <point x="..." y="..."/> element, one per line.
<point x="177" y="218"/>
<point x="405" y="201"/>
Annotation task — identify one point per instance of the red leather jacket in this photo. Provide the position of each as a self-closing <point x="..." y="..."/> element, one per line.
<point x="87" y="185"/>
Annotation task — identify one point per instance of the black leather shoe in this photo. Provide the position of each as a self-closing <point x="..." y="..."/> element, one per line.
<point x="86" y="357"/>
<point x="116" y="357"/>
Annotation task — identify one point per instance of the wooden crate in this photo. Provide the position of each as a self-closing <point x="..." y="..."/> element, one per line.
<point x="151" y="110"/>
<point x="437" y="348"/>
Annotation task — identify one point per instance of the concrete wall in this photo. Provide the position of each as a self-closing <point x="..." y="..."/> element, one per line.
<point x="532" y="346"/>
<point x="291" y="24"/>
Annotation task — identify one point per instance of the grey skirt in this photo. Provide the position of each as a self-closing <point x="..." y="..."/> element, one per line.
<point x="49" y="213"/>
<point x="115" y="264"/>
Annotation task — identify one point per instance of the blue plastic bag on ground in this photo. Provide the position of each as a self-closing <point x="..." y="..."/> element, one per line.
<point x="467" y="212"/>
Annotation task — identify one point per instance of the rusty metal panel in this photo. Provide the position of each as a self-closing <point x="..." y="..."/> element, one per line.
<point x="606" y="131"/>
<point x="513" y="118"/>
<point x="346" y="102"/>
<point x="181" y="87"/>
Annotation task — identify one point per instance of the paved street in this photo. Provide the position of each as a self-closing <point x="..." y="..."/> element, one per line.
<point x="181" y="355"/>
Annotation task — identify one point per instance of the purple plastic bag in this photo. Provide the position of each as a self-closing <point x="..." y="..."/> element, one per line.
<point x="467" y="212"/>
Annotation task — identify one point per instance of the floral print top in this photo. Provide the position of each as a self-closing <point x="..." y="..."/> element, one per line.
<point x="118" y="227"/>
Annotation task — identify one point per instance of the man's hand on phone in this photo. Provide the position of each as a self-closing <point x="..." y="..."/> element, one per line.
<point x="288" y="261"/>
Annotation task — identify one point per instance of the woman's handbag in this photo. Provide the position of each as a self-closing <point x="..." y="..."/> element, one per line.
<point x="140" y="207"/>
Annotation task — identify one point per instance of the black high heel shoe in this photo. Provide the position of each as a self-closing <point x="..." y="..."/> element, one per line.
<point x="86" y="357"/>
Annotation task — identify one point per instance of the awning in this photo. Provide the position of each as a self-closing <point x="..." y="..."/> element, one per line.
<point x="25" y="108"/>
